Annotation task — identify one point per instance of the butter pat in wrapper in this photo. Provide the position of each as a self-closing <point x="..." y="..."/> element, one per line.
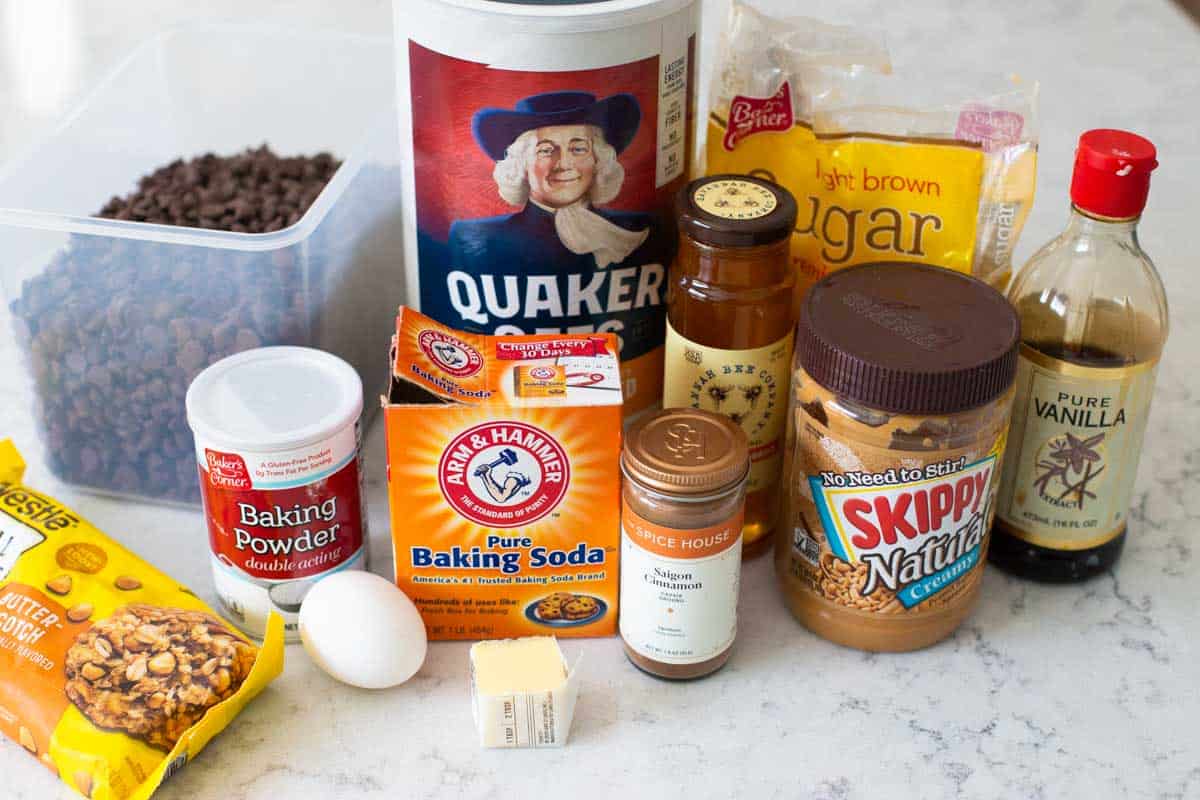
<point x="522" y="692"/>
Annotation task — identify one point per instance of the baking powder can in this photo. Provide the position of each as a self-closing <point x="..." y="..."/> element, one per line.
<point x="278" y="447"/>
<point x="545" y="142"/>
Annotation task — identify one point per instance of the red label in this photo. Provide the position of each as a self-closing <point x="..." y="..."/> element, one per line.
<point x="550" y="348"/>
<point x="453" y="355"/>
<point x="504" y="474"/>
<point x="993" y="128"/>
<point x="751" y="115"/>
<point x="226" y="470"/>
<point x="281" y="534"/>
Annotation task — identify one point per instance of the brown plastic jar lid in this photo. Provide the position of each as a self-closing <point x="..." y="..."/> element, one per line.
<point x="908" y="338"/>
<point x="735" y="211"/>
<point x="685" y="451"/>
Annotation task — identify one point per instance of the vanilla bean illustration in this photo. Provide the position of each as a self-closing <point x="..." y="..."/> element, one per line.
<point x="1070" y="455"/>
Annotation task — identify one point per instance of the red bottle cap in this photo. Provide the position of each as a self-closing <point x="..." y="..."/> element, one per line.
<point x="1112" y="173"/>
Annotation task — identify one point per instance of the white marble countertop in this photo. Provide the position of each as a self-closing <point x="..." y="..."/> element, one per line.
<point x="1085" y="691"/>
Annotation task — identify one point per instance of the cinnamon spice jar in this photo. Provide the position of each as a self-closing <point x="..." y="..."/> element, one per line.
<point x="682" y="504"/>
<point x="730" y="323"/>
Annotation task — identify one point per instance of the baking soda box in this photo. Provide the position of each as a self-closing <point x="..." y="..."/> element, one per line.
<point x="503" y="479"/>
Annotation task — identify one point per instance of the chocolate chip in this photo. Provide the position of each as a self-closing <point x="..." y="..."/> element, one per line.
<point x="116" y="328"/>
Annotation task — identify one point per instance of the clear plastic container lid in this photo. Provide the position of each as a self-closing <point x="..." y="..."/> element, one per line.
<point x="274" y="398"/>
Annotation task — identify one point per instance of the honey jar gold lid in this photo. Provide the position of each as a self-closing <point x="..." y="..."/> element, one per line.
<point x="686" y="451"/>
<point x="735" y="211"/>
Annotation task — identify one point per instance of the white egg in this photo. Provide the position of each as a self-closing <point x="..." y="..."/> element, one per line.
<point x="362" y="630"/>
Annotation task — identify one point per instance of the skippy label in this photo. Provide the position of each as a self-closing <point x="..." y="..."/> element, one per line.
<point x="505" y="516"/>
<point x="278" y="521"/>
<point x="917" y="530"/>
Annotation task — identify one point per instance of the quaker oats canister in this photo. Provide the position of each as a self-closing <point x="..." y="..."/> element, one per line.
<point x="277" y="443"/>
<point x="902" y="393"/>
<point x="544" y="143"/>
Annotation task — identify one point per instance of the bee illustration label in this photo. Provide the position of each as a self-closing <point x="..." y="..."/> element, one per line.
<point x="1073" y="452"/>
<point x="748" y="386"/>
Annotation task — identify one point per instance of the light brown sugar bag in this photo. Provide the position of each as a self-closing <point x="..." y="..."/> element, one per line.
<point x="936" y="166"/>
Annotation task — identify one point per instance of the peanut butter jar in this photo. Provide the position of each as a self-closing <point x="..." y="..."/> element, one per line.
<point x="730" y="304"/>
<point x="682" y="510"/>
<point x="901" y="398"/>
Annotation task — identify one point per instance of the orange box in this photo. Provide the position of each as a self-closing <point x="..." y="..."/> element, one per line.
<point x="505" y="504"/>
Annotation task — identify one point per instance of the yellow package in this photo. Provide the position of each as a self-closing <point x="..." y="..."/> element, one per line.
<point x="112" y="674"/>
<point x="933" y="168"/>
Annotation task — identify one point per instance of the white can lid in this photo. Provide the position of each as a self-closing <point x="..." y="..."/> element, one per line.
<point x="274" y="398"/>
<point x="560" y="16"/>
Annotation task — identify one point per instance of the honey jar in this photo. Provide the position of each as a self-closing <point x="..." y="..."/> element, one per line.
<point x="729" y="323"/>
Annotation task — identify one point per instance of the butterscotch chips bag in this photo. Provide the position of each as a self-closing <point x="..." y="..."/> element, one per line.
<point x="937" y="168"/>
<point x="111" y="673"/>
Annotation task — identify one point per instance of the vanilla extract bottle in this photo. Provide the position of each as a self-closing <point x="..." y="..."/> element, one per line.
<point x="1093" y="324"/>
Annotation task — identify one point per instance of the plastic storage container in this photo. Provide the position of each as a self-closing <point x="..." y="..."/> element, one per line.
<point x="115" y="318"/>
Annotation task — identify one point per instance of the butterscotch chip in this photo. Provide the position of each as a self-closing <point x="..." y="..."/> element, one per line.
<point x="79" y="613"/>
<point x="152" y="672"/>
<point x="83" y="783"/>
<point x="127" y="583"/>
<point x="25" y="736"/>
<point x="60" y="585"/>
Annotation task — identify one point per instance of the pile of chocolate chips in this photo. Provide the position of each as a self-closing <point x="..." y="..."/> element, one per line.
<point x="114" y="329"/>
<point x="252" y="192"/>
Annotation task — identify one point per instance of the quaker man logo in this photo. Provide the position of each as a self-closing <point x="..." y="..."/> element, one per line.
<point x="451" y="354"/>
<point x="543" y="373"/>
<point x="504" y="474"/>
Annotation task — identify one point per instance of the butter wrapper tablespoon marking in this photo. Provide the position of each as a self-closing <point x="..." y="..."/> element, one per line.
<point x="527" y="718"/>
